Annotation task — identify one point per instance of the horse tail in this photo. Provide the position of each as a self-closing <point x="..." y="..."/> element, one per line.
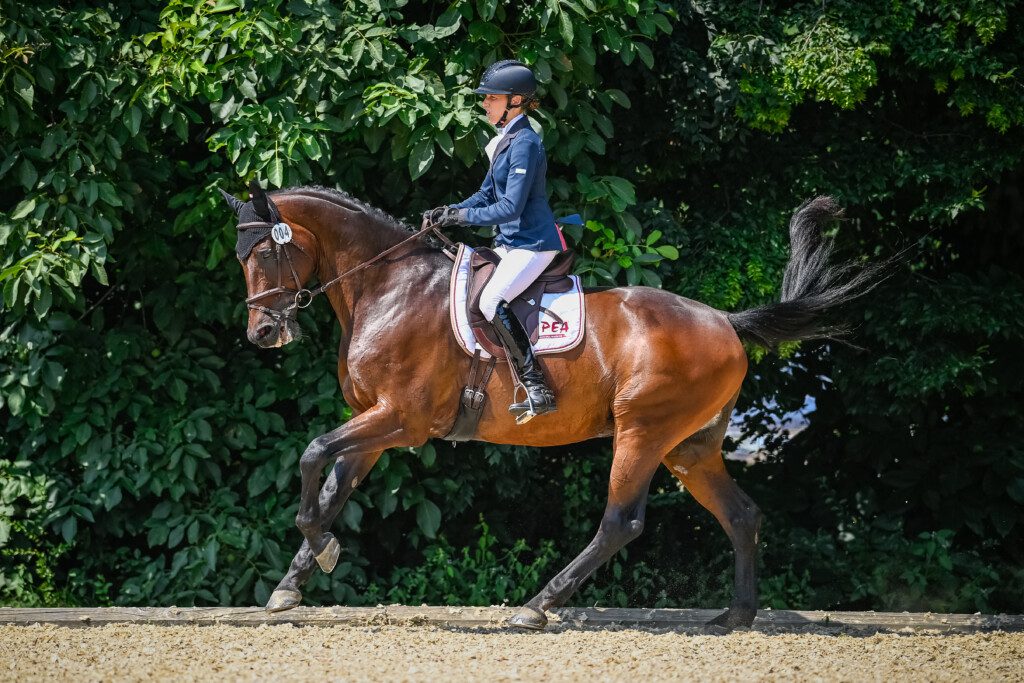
<point x="810" y="286"/>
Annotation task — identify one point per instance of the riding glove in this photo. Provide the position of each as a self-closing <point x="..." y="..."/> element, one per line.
<point x="444" y="216"/>
<point x="452" y="216"/>
<point x="434" y="215"/>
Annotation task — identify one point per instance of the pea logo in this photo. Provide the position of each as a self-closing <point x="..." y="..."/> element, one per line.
<point x="281" y="233"/>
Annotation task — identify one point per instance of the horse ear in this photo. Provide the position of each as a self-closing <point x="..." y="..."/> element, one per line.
<point x="234" y="202"/>
<point x="259" y="199"/>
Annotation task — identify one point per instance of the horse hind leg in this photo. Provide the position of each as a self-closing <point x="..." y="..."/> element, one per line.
<point x="633" y="466"/>
<point x="698" y="464"/>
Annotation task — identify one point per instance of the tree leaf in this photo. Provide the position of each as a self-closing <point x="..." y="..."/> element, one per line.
<point x="28" y="175"/>
<point x="428" y="517"/>
<point x="376" y="51"/>
<point x="645" y="54"/>
<point x="668" y="251"/>
<point x="448" y="23"/>
<point x="69" y="528"/>
<point x="565" y="27"/>
<point x="24" y="208"/>
<point x="23" y="88"/>
<point x="421" y="157"/>
<point x="134" y="120"/>
<point x="486" y="9"/>
<point x="275" y="172"/>
<point x="620" y="97"/>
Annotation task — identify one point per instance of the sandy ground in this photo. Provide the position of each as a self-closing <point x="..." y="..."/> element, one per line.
<point x="420" y="653"/>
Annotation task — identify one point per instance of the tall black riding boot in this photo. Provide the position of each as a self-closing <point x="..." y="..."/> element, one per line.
<point x="539" y="398"/>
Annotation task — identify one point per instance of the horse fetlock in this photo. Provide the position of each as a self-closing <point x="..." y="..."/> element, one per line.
<point x="308" y="525"/>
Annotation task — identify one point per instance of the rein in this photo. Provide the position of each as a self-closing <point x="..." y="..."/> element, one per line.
<point x="303" y="296"/>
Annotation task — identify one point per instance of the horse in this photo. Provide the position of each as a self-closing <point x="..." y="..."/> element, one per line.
<point x="656" y="372"/>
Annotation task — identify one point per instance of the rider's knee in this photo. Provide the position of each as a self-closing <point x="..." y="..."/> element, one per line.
<point x="489" y="304"/>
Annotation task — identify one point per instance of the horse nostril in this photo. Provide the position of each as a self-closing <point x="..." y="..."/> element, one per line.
<point x="263" y="330"/>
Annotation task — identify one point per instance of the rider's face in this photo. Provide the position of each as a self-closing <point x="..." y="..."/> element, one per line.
<point x="494" y="106"/>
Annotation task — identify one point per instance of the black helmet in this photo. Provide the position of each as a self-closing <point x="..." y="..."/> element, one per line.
<point x="507" y="77"/>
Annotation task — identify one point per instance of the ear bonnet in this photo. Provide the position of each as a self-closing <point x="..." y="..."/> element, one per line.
<point x="258" y="217"/>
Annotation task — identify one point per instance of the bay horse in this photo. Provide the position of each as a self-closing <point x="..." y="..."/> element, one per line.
<point x="657" y="373"/>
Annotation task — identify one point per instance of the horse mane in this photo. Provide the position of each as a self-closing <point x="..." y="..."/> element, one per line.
<point x="347" y="201"/>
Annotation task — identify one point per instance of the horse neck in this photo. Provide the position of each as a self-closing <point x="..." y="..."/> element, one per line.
<point x="347" y="239"/>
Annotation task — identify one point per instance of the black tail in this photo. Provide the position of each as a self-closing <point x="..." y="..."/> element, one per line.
<point x="810" y="287"/>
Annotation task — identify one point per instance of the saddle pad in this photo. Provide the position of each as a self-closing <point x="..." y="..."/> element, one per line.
<point x="555" y="335"/>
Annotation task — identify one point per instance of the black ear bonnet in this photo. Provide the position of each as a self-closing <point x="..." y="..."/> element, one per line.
<point x="248" y="212"/>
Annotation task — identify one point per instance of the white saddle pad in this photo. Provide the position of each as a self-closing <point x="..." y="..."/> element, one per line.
<point x="556" y="334"/>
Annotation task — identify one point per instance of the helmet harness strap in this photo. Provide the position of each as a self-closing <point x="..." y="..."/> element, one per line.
<point x="508" y="107"/>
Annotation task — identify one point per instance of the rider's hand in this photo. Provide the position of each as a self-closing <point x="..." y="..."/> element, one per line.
<point x="434" y="215"/>
<point x="452" y="216"/>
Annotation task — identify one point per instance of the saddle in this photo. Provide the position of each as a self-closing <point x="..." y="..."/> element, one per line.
<point x="526" y="307"/>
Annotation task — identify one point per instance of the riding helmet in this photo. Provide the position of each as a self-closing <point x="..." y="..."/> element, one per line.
<point x="507" y="77"/>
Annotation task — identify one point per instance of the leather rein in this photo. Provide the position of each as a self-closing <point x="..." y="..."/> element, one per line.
<point x="303" y="297"/>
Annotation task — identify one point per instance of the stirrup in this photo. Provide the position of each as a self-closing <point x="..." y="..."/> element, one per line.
<point x="524" y="416"/>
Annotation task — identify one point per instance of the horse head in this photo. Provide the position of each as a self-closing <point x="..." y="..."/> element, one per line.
<point x="278" y="258"/>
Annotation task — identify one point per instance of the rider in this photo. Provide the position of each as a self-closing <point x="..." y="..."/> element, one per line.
<point x="513" y="198"/>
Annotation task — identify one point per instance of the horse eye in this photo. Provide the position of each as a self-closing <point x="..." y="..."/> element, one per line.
<point x="265" y="253"/>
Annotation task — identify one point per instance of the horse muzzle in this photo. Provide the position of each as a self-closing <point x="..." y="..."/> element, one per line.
<point x="271" y="334"/>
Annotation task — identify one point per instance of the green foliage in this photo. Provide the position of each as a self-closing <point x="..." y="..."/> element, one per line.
<point x="475" y="575"/>
<point x="884" y="568"/>
<point x="149" y="454"/>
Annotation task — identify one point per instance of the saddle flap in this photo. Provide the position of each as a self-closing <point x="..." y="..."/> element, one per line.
<point x="533" y="307"/>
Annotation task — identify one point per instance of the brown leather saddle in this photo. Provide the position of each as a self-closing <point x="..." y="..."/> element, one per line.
<point x="527" y="306"/>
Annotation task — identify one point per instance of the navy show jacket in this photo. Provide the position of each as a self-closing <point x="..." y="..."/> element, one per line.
<point x="513" y="196"/>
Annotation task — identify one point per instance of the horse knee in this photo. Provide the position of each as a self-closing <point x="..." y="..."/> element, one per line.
<point x="312" y="460"/>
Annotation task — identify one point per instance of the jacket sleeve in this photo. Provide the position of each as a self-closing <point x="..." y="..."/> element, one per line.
<point x="480" y="197"/>
<point x="524" y="158"/>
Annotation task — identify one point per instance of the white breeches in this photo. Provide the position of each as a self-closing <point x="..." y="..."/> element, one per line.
<point x="515" y="272"/>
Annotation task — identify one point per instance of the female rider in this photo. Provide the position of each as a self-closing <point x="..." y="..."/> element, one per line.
<point x="513" y="198"/>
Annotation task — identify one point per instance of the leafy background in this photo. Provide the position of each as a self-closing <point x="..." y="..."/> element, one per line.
<point x="149" y="453"/>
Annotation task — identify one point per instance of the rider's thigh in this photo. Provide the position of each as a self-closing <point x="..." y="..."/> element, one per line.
<point x="515" y="272"/>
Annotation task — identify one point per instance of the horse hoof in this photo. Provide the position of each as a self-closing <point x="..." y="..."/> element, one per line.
<point x="734" y="617"/>
<point x="529" y="618"/>
<point x="328" y="557"/>
<point x="283" y="599"/>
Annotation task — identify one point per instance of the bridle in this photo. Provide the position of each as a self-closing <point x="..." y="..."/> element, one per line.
<point x="302" y="297"/>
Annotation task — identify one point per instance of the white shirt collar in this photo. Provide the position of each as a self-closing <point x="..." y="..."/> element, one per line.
<point x="493" y="144"/>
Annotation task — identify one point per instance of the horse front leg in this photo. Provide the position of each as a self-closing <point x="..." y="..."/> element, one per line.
<point x="362" y="439"/>
<point x="333" y="497"/>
